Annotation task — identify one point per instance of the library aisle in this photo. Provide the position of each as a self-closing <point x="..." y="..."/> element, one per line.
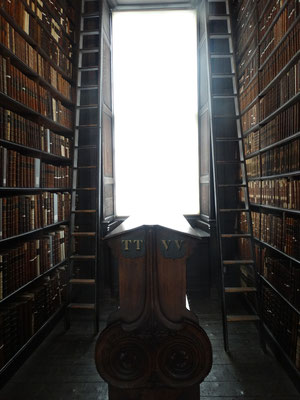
<point x="63" y="368"/>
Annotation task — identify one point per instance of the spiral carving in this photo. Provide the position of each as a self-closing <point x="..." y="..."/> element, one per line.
<point x="121" y="359"/>
<point x="185" y="358"/>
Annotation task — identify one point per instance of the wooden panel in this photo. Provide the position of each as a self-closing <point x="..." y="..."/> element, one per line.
<point x="107" y="145"/>
<point x="106" y="75"/>
<point x="204" y="144"/>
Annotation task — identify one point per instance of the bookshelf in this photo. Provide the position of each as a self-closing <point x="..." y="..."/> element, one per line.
<point x="268" y="64"/>
<point x="37" y="100"/>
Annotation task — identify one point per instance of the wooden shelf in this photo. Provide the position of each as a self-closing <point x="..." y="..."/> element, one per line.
<point x="274" y="208"/>
<point x="288" y="103"/>
<point x="265" y="280"/>
<point x="32" y="189"/>
<point x="280" y="11"/>
<point x="33" y="43"/>
<point x="283" y="175"/>
<point x="54" y="317"/>
<point x="43" y="155"/>
<point x="280" y="42"/>
<point x="294" y="373"/>
<point x="293" y="60"/>
<point x="273" y="145"/>
<point x="28" y="284"/>
<point x="18" y="63"/>
<point x="29" y="233"/>
<point x="13" y="105"/>
<point x="277" y="250"/>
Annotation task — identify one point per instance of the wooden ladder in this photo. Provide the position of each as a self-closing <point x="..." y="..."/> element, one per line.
<point x="84" y="230"/>
<point x="233" y="216"/>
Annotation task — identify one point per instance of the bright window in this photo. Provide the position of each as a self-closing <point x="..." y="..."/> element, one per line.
<point x="155" y="112"/>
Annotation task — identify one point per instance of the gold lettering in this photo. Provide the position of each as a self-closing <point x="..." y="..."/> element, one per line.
<point x="138" y="243"/>
<point x="126" y="242"/>
<point x="166" y="243"/>
<point x="178" y="244"/>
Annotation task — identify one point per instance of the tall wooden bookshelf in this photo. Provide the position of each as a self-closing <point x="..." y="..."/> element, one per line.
<point x="268" y="59"/>
<point x="37" y="97"/>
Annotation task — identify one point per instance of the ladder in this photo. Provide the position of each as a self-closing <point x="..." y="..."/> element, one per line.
<point x="233" y="216"/>
<point x="84" y="228"/>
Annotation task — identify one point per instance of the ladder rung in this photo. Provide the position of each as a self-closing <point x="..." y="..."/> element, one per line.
<point x="234" y="210"/>
<point x="82" y="306"/>
<point x="221" y="55"/>
<point x="86" y="167"/>
<point x="231" y="139"/>
<point x="82" y="281"/>
<point x="84" y="234"/>
<point x="78" y="257"/>
<point x="230" y="162"/>
<point x="237" y="262"/>
<point x="232" y="116"/>
<point x="83" y="211"/>
<point x="87" y="188"/>
<point x="235" y="235"/>
<point x="219" y="36"/>
<point x="86" y="147"/>
<point x="232" y="185"/>
<point x="224" y="96"/>
<point x="88" y="69"/>
<point x="228" y="75"/>
<point x="242" y="289"/>
<point x="84" y="87"/>
<point x="92" y="14"/>
<point x="87" y="107"/>
<point x="240" y="318"/>
<point x="92" y="50"/>
<point x="91" y="32"/>
<point x="218" y="17"/>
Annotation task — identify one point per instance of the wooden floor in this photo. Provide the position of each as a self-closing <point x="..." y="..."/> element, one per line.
<point x="63" y="366"/>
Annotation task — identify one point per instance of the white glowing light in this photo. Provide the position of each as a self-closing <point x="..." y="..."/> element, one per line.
<point x="155" y="108"/>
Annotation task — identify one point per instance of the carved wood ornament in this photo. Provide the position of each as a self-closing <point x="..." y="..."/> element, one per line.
<point x="152" y="341"/>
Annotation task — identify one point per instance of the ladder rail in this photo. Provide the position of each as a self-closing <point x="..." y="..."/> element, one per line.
<point x="244" y="183"/>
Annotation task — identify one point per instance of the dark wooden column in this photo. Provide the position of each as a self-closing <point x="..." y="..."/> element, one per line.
<point x="153" y="347"/>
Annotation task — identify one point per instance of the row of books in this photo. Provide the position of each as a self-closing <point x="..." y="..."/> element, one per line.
<point x="279" y="232"/>
<point x="285" y="51"/>
<point x="25" y="52"/>
<point x="283" y="274"/>
<point x="278" y="160"/>
<point x="247" y="71"/>
<point x="247" y="96"/>
<point x="37" y="31"/>
<point x="23" y="263"/>
<point x="283" y="323"/>
<point x="284" y="89"/>
<point x="13" y="41"/>
<point x="17" y="85"/>
<point x="17" y="129"/>
<point x="250" y="118"/>
<point x="19" y="171"/>
<point x="55" y="30"/>
<point x="284" y="193"/>
<point x="24" y="213"/>
<point x="268" y="17"/>
<point x="53" y="176"/>
<point x="246" y="30"/>
<point x="278" y="30"/>
<point x="21" y="318"/>
<point x="285" y="124"/>
<point x="53" y="109"/>
<point x="65" y="16"/>
<point x="244" y="9"/>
